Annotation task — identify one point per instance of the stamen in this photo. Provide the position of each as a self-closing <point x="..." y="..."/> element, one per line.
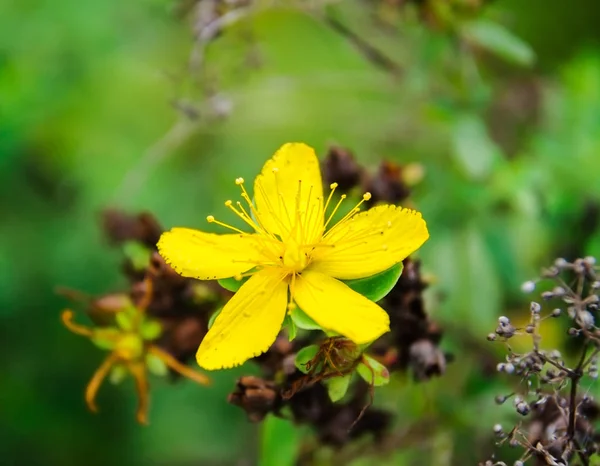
<point x="211" y="219"/>
<point x="67" y="320"/>
<point x="243" y="216"/>
<point x="255" y="212"/>
<point x="356" y="209"/>
<point x="239" y="181"/>
<point x="342" y="197"/>
<point x="273" y="214"/>
<point x="332" y="186"/>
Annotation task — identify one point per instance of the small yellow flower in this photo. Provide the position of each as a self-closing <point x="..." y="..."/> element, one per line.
<point x="292" y="258"/>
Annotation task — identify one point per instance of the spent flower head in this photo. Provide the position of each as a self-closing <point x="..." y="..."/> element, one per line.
<point x="295" y="258"/>
<point x="132" y="350"/>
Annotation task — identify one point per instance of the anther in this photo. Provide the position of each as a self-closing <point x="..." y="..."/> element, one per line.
<point x="367" y="196"/>
<point x="228" y="203"/>
<point x="333" y="185"/>
<point x="210" y="218"/>
<point x="239" y="181"/>
<point x="343" y="196"/>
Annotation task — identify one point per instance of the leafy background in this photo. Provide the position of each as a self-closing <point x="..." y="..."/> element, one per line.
<point x="501" y="107"/>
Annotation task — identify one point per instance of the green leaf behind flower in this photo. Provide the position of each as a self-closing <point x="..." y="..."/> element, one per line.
<point x="280" y="442"/>
<point x="377" y="286"/>
<point x="373" y="372"/>
<point x="302" y="320"/>
<point x="232" y="284"/>
<point x="338" y="386"/>
<point x="305" y="355"/>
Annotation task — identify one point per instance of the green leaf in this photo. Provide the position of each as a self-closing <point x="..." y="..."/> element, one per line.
<point x="500" y="41"/>
<point x="280" y="442"/>
<point x="138" y="254"/>
<point x="338" y="386"/>
<point x="475" y="153"/>
<point x="106" y="338"/>
<point x="302" y="320"/>
<point x="377" y="286"/>
<point x="125" y="320"/>
<point x="232" y="284"/>
<point x="305" y="355"/>
<point x="291" y="327"/>
<point x="215" y="314"/>
<point x="156" y="365"/>
<point x="151" y="330"/>
<point x="373" y="372"/>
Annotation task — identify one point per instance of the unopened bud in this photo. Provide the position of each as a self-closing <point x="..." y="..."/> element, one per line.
<point x="528" y="286"/>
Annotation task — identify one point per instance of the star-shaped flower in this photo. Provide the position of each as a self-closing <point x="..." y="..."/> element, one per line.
<point x="293" y="257"/>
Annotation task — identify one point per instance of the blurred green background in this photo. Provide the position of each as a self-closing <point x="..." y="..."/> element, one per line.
<point x="99" y="106"/>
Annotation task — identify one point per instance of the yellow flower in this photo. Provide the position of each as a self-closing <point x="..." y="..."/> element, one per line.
<point x="292" y="258"/>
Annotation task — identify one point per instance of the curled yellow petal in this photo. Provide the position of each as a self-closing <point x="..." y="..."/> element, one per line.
<point x="208" y="256"/>
<point x="174" y="364"/>
<point x="138" y="370"/>
<point x="97" y="379"/>
<point x="334" y="306"/>
<point x="289" y="194"/>
<point x="370" y="242"/>
<point x="67" y="320"/>
<point x="248" y="324"/>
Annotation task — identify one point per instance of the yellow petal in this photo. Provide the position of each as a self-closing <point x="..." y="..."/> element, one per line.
<point x="334" y="306"/>
<point x="370" y="242"/>
<point x="207" y="256"/>
<point x="248" y="324"/>
<point x="289" y="194"/>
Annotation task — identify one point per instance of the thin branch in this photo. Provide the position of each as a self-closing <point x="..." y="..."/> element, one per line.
<point x="154" y="155"/>
<point x="371" y="53"/>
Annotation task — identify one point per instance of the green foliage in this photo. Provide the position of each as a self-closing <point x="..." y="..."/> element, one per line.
<point x="304" y="356"/>
<point x="500" y="41"/>
<point x="280" y="442"/>
<point x="232" y="284"/>
<point x="377" y="286"/>
<point x="373" y="372"/>
<point x="338" y="386"/>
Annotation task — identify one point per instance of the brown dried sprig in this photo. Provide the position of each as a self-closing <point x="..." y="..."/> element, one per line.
<point x="553" y="397"/>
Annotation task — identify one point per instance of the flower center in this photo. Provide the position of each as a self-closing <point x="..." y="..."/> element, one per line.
<point x="294" y="258"/>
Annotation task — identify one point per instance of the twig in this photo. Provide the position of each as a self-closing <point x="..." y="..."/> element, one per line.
<point x="137" y="175"/>
<point x="371" y="53"/>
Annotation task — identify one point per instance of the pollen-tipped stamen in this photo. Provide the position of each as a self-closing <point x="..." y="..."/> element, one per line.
<point x="333" y="187"/>
<point x="273" y="214"/>
<point x="243" y="216"/>
<point x="366" y="196"/>
<point x="246" y="197"/>
<point x="211" y="219"/>
<point x="335" y="209"/>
